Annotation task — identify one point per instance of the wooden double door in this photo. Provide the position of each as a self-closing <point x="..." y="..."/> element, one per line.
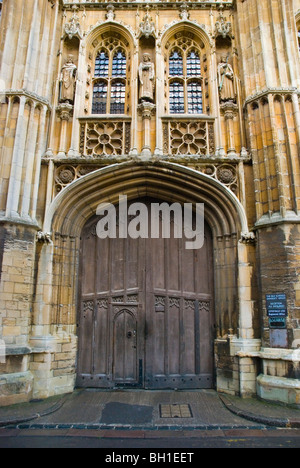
<point x="145" y="315"/>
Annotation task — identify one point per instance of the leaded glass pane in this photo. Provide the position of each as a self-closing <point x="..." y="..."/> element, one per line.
<point x="176" y="98"/>
<point x="119" y="64"/>
<point x="99" y="98"/>
<point x="175" y="64"/>
<point x="101" y="65"/>
<point x="193" y="65"/>
<point x="117" y="101"/>
<point x="195" y="104"/>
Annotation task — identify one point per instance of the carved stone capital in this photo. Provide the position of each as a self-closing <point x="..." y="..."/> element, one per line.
<point x="146" y="109"/>
<point x="64" y="111"/>
<point x="229" y="109"/>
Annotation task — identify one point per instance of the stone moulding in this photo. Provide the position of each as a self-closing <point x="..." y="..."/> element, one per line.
<point x="267" y="91"/>
<point x="96" y="4"/>
<point x="28" y="94"/>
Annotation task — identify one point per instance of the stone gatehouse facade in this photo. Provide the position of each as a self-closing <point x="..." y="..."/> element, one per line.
<point x="165" y="101"/>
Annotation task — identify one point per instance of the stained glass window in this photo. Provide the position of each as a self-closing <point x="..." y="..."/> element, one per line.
<point x="99" y="98"/>
<point x="109" y="93"/>
<point x="193" y="65"/>
<point x="119" y="64"/>
<point x="176" y="98"/>
<point x="194" y="92"/>
<point x="101" y="64"/>
<point x="117" y="100"/>
<point x="176" y="64"/>
<point x="185" y="94"/>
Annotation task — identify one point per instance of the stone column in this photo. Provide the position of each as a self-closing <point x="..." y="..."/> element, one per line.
<point x="65" y="112"/>
<point x="146" y="109"/>
<point x="230" y="110"/>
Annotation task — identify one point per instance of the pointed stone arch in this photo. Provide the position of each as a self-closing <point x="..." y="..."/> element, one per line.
<point x="55" y="308"/>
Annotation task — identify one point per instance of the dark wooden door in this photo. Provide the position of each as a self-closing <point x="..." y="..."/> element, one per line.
<point x="145" y="312"/>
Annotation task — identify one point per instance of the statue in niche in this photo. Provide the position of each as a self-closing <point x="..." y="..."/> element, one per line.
<point x="226" y="80"/>
<point x="68" y="80"/>
<point x="146" y="76"/>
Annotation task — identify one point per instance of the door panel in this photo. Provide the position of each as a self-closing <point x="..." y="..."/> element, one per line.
<point x="146" y="312"/>
<point x="125" y="348"/>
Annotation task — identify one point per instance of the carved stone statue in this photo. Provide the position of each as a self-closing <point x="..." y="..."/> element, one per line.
<point x="68" y="79"/>
<point x="146" y="76"/>
<point x="226" y="80"/>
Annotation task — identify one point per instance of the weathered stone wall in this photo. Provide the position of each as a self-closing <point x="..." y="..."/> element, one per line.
<point x="251" y="148"/>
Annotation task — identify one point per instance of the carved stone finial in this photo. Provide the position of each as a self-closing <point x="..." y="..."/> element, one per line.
<point x="184" y="12"/>
<point x="147" y="26"/>
<point x="73" y="28"/>
<point x="110" y="15"/>
<point x="223" y="27"/>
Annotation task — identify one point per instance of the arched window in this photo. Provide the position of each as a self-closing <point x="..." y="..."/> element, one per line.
<point x="117" y="99"/>
<point x="185" y="91"/>
<point x="119" y="64"/>
<point x="99" y="98"/>
<point x="194" y="95"/>
<point x="193" y="64"/>
<point x="176" y="96"/>
<point x="175" y="64"/>
<point x="109" y="90"/>
<point x="101" y="64"/>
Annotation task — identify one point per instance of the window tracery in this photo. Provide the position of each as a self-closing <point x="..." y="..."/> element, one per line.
<point x="109" y="82"/>
<point x="185" y="76"/>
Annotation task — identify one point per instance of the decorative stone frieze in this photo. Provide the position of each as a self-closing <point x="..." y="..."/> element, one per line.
<point x="188" y="137"/>
<point x="100" y="137"/>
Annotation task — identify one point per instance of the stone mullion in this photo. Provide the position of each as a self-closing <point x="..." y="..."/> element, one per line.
<point x="263" y="34"/>
<point x="49" y="81"/>
<point x="292" y="168"/>
<point x="41" y="144"/>
<point x="291" y="61"/>
<point x="264" y="150"/>
<point x="278" y="158"/>
<point x="295" y="161"/>
<point x="254" y="151"/>
<point x="4" y="155"/>
<point x="28" y="169"/>
<point x="134" y="101"/>
<point x="31" y="57"/>
<point x="14" y="187"/>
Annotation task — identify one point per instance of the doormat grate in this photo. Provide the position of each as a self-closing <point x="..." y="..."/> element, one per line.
<point x="175" y="411"/>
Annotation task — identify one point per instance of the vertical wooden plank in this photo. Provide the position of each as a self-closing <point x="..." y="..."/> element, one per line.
<point x="188" y="357"/>
<point x="85" y="364"/>
<point x="88" y="262"/>
<point x="102" y="259"/>
<point x="118" y="264"/>
<point x="174" y="336"/>
<point x="132" y="247"/>
<point x="102" y="338"/>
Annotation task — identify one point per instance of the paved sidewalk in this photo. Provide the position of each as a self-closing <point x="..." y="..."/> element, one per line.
<point x="148" y="410"/>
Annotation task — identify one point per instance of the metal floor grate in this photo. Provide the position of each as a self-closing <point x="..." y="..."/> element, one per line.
<point x="175" y="411"/>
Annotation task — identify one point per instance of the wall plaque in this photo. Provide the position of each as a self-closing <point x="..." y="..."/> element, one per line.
<point x="276" y="305"/>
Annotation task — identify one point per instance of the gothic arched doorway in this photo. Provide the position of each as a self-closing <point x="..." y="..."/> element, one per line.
<point x="146" y="312"/>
